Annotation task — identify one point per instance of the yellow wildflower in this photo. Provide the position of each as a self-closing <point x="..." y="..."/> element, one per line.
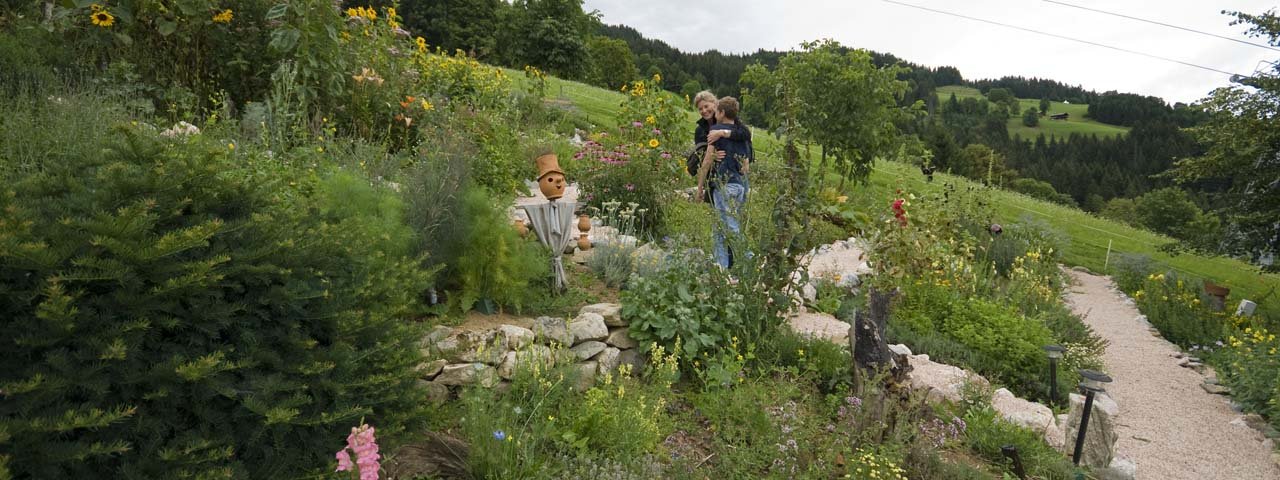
<point x="653" y="143"/>
<point x="427" y="105"/>
<point x="657" y="77"/>
<point x="231" y="146"/>
<point x="422" y="44"/>
<point x="800" y="352"/>
<point x="650" y="120"/>
<point x="391" y="12"/>
<point x="223" y="16"/>
<point x="351" y="12"/>
<point x="103" y="18"/>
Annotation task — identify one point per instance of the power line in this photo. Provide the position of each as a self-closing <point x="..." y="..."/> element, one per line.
<point x="1064" y="37"/>
<point x="1192" y="30"/>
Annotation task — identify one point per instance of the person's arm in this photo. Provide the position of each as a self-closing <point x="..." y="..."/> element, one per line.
<point x="714" y="135"/>
<point x="703" y="170"/>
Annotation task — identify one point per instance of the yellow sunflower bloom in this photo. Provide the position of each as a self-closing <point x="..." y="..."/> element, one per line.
<point x="103" y="18"/>
<point x="351" y="12"/>
<point x="653" y="143"/>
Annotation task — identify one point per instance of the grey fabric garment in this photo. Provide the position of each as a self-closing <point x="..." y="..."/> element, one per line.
<point x="553" y="223"/>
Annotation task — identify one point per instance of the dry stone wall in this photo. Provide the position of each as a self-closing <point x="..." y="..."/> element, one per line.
<point x="596" y="342"/>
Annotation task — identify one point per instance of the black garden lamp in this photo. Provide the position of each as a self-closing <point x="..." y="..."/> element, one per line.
<point x="1011" y="451"/>
<point x="1055" y="353"/>
<point x="1091" y="383"/>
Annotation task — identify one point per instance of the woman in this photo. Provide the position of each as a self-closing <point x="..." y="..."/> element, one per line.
<point x="705" y="102"/>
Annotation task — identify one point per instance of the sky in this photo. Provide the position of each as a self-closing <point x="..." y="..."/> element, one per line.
<point x="980" y="50"/>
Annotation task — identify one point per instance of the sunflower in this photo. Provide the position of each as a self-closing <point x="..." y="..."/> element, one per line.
<point x="653" y="143"/>
<point x="103" y="18"/>
<point x="223" y="17"/>
<point x="422" y="44"/>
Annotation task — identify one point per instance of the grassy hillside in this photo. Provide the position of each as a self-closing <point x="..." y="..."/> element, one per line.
<point x="1090" y="235"/>
<point x="1076" y="124"/>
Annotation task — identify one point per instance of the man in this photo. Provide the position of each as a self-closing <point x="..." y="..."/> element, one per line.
<point x="727" y="177"/>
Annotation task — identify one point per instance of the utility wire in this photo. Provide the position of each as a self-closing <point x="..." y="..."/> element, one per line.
<point x="1064" y="37"/>
<point x="1192" y="30"/>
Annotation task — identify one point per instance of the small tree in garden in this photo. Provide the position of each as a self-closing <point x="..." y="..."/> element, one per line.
<point x="174" y="312"/>
<point x="839" y="100"/>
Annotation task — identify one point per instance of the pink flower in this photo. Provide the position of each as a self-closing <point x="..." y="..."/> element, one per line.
<point x="657" y="132"/>
<point x="666" y="155"/>
<point x="637" y="124"/>
<point x="344" y="461"/>
<point x="630" y="187"/>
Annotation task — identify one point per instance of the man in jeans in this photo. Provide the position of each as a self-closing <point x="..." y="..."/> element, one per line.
<point x="728" y="175"/>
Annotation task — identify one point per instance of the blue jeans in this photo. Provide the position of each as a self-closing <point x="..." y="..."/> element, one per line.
<point x="728" y="200"/>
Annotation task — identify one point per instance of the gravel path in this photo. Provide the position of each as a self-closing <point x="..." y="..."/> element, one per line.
<point x="1168" y="425"/>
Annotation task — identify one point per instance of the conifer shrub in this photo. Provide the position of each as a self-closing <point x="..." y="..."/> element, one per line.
<point x="492" y="261"/>
<point x="177" y="310"/>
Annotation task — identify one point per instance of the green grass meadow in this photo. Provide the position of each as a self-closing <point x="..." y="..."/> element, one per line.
<point x="1077" y="123"/>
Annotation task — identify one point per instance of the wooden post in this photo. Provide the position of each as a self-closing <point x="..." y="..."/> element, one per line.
<point x="1107" y="261"/>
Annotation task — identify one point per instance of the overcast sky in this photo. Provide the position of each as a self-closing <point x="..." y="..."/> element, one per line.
<point x="978" y="49"/>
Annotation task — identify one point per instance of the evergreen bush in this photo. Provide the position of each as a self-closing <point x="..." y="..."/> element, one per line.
<point x="177" y="311"/>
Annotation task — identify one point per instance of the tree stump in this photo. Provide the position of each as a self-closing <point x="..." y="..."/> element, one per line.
<point x="871" y="352"/>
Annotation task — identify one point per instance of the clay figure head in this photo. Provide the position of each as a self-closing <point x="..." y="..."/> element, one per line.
<point x="552" y="185"/>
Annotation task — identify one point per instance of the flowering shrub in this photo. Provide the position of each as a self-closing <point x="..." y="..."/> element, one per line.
<point x="1174" y="306"/>
<point x="638" y="176"/>
<point x="867" y="464"/>
<point x="1248" y="364"/>
<point x="653" y="117"/>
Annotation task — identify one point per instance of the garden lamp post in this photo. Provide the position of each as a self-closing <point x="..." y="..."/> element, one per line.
<point x="1055" y="353"/>
<point x="1091" y="383"/>
<point x="1011" y="451"/>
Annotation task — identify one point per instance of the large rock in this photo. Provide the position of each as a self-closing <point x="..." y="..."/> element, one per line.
<point x="1120" y="469"/>
<point x="1100" y="438"/>
<point x="633" y="359"/>
<point x="607" y="360"/>
<point x="940" y="380"/>
<point x="585" y="376"/>
<point x="429" y="370"/>
<point x="550" y="330"/>
<point x="611" y="312"/>
<point x="513" y="337"/>
<point x="1031" y="415"/>
<point x="820" y="325"/>
<point x="588" y="349"/>
<point x="900" y="349"/>
<point x="469" y="347"/>
<point x="437" y="333"/>
<point x="588" y="326"/>
<point x="621" y="338"/>
<point x="437" y="392"/>
<point x="468" y="374"/>
<point x="533" y="356"/>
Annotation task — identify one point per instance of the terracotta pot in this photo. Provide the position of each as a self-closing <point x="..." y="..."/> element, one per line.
<point x="521" y="228"/>
<point x="552" y="185"/>
<point x="584" y="223"/>
<point x="584" y="243"/>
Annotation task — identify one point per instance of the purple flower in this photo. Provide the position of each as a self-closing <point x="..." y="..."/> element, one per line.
<point x="499" y="435"/>
<point x="855" y="401"/>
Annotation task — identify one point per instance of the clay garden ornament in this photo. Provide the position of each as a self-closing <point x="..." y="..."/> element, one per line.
<point x="550" y="177"/>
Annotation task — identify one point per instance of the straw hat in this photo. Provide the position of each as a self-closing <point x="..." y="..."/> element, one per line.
<point x="548" y="163"/>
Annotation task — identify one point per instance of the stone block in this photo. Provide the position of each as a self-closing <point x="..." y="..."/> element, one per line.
<point x="429" y="370"/>
<point x="1100" y="438"/>
<point x="468" y="374"/>
<point x="621" y="338"/>
<point x="611" y="312"/>
<point x="1031" y="415"/>
<point x="634" y="359"/>
<point x="588" y="326"/>
<point x="437" y="392"/>
<point x="585" y="376"/>
<point x="588" y="349"/>
<point x="607" y="360"/>
<point x="550" y="330"/>
<point x="514" y="337"/>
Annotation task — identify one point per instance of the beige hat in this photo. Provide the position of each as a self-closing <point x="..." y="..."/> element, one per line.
<point x="548" y="163"/>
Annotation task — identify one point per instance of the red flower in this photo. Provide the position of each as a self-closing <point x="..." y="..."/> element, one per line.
<point x="899" y="212"/>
